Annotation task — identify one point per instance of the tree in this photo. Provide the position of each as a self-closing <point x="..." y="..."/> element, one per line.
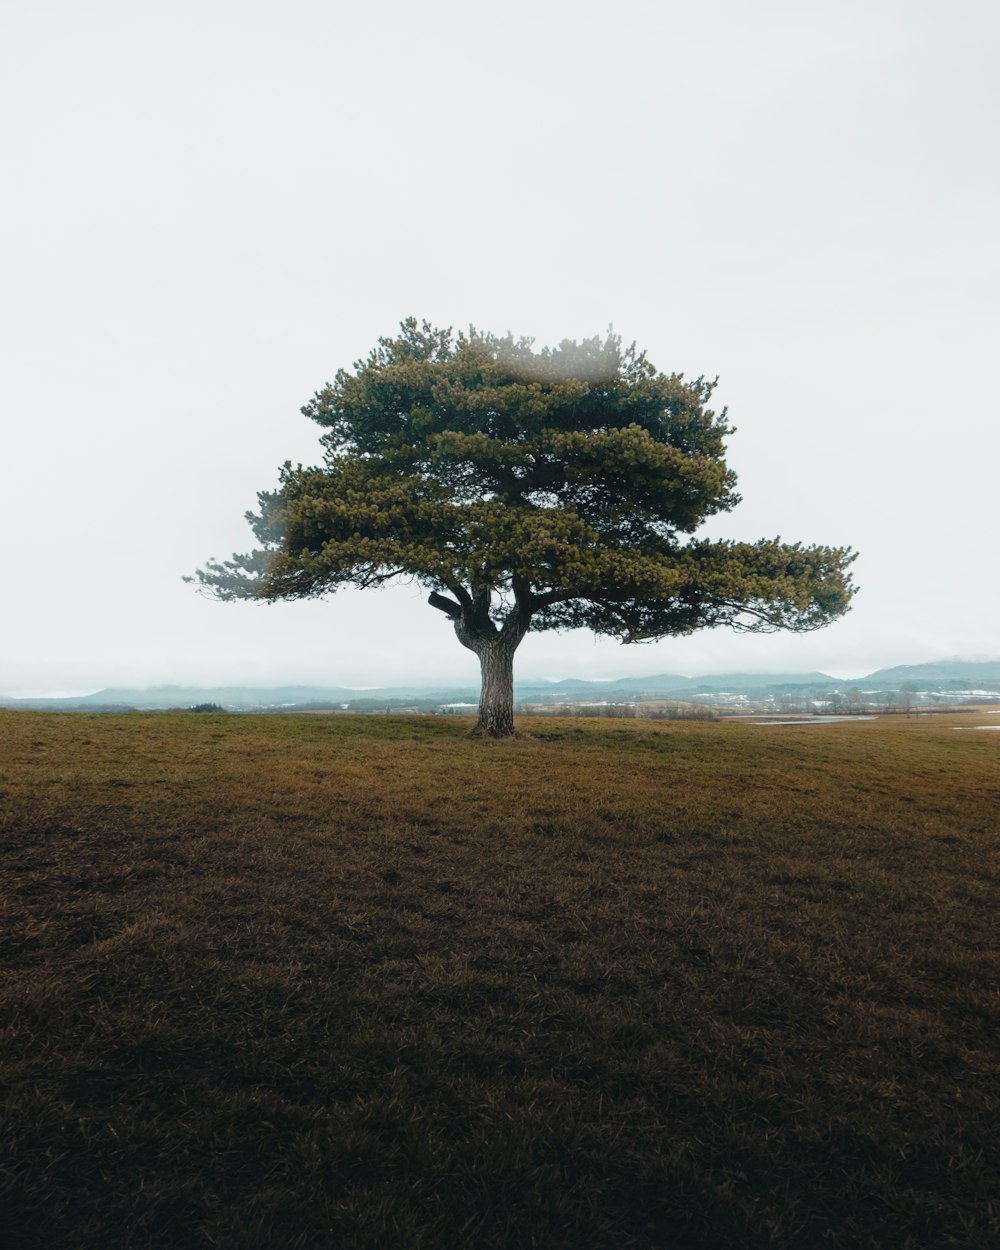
<point x="555" y="489"/>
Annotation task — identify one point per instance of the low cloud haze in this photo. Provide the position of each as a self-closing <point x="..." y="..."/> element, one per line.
<point x="213" y="207"/>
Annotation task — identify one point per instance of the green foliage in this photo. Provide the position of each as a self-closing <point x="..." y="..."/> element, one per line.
<point x="562" y="486"/>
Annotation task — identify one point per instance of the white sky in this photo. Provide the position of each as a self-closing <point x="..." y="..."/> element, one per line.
<point x="209" y="207"/>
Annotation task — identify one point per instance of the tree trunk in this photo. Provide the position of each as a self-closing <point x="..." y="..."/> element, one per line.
<point x="495" y="647"/>
<point x="496" y="699"/>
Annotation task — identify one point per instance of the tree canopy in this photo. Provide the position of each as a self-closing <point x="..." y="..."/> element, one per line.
<point x="551" y="489"/>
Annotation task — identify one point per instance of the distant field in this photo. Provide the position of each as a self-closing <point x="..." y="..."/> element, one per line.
<point x="359" y="982"/>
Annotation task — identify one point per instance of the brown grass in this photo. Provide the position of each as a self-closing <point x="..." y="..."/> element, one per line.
<point x="350" y="982"/>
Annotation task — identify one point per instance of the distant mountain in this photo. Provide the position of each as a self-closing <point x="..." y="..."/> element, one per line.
<point x="671" y="685"/>
<point x="935" y="674"/>
<point x="238" y="698"/>
<point x="161" y="697"/>
<point x="577" y="687"/>
<point x="765" y="681"/>
<point x="970" y="674"/>
<point x="227" y="696"/>
<point x="277" y="698"/>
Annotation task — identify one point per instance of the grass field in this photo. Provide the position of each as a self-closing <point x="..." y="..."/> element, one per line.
<point x="332" y="981"/>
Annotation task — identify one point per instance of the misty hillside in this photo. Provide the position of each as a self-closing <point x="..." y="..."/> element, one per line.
<point x="970" y="673"/>
<point x="955" y="674"/>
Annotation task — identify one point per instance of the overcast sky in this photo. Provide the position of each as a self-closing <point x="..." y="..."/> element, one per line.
<point x="209" y="207"/>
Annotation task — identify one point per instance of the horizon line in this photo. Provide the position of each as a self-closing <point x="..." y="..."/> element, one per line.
<point x="837" y="674"/>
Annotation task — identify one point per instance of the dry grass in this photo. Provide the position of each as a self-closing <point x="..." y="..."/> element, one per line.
<point x="358" y="982"/>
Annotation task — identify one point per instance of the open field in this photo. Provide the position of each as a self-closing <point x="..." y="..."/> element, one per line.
<point x="304" y="981"/>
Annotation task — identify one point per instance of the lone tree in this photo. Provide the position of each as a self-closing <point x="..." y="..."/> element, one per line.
<point x="526" y="490"/>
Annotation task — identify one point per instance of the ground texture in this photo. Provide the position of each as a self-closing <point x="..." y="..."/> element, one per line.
<point x="331" y="981"/>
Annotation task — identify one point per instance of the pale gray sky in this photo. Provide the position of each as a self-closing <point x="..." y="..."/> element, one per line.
<point x="209" y="207"/>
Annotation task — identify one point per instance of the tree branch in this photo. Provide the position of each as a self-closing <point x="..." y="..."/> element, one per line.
<point x="551" y="597"/>
<point x="443" y="604"/>
<point x="461" y="594"/>
<point x="525" y="600"/>
<point x="616" y="611"/>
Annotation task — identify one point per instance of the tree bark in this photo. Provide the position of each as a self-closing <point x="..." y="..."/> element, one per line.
<point x="496" y="698"/>
<point x="495" y="649"/>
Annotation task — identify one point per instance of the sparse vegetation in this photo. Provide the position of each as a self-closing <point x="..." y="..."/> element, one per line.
<point x="303" y="981"/>
<point x="645" y="709"/>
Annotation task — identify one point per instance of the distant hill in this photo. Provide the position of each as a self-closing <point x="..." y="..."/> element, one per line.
<point x="968" y="673"/>
<point x="765" y="681"/>
<point x="934" y="675"/>
<point x="227" y="696"/>
<point x="236" y="698"/>
<point x="275" y="698"/>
